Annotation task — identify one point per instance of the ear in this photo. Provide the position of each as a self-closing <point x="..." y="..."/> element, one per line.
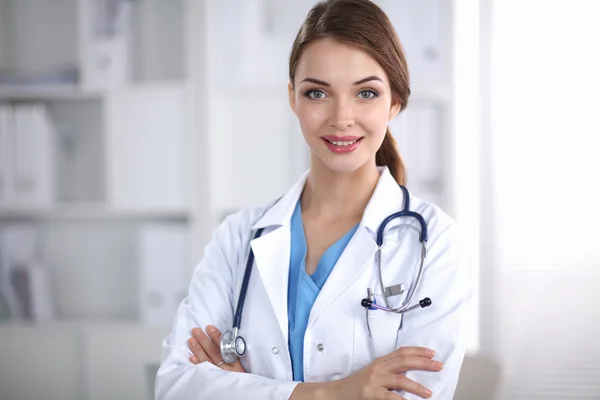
<point x="292" y="97"/>
<point x="394" y="109"/>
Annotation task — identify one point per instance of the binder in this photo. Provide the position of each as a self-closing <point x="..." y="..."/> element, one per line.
<point x="41" y="306"/>
<point x="24" y="162"/>
<point x="163" y="256"/>
<point x="3" y="155"/>
<point x="6" y="155"/>
<point x="44" y="161"/>
<point x="106" y="43"/>
<point x="32" y="167"/>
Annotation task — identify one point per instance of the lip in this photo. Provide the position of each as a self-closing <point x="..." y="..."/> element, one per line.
<point x="342" y="149"/>
<point x="341" y="138"/>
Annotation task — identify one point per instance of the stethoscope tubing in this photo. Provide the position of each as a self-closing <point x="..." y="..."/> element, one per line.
<point x="237" y="321"/>
<point x="422" y="238"/>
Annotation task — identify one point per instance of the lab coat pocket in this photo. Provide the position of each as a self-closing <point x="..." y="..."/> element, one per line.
<point x="384" y="328"/>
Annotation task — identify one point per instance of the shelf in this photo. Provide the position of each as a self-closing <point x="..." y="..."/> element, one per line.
<point x="93" y="212"/>
<point x="46" y="92"/>
<point x="82" y="324"/>
<point x="74" y="92"/>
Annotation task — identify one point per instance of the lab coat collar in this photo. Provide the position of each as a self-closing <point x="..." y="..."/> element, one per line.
<point x="280" y="213"/>
<point x="272" y="251"/>
<point x="387" y="199"/>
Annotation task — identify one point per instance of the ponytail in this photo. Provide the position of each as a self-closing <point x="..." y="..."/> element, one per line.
<point x="388" y="156"/>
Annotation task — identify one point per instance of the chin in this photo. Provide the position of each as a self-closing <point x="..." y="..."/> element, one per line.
<point x="344" y="165"/>
<point x="341" y="163"/>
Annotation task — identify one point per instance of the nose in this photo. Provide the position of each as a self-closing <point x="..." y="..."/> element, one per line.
<point x="343" y="115"/>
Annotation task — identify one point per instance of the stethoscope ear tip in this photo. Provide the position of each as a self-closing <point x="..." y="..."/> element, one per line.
<point x="366" y="302"/>
<point x="426" y="302"/>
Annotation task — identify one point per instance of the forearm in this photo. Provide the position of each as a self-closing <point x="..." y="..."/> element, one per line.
<point x="205" y="381"/>
<point x="314" y="391"/>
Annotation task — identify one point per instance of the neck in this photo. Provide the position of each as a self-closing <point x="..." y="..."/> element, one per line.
<point x="335" y="195"/>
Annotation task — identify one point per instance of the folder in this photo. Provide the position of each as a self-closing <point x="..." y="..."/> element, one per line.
<point x="163" y="257"/>
<point x="31" y="169"/>
<point x="6" y="155"/>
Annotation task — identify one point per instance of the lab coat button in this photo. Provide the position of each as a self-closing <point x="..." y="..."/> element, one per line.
<point x="320" y="347"/>
<point x="275" y="350"/>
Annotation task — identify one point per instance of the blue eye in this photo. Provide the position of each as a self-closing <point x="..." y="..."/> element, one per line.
<point x="315" y="94"/>
<point x="367" y="94"/>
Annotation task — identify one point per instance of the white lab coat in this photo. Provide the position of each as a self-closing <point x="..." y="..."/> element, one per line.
<point x="336" y="342"/>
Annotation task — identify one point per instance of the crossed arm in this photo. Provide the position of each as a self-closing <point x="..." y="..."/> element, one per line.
<point x="371" y="383"/>
<point x="406" y="373"/>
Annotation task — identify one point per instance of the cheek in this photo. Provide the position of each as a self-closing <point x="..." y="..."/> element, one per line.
<point x="310" y="116"/>
<point x="375" y="120"/>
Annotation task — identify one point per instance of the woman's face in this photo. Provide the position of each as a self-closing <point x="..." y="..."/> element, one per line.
<point x="343" y="101"/>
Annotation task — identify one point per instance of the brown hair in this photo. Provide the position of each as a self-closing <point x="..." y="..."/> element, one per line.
<point x="363" y="24"/>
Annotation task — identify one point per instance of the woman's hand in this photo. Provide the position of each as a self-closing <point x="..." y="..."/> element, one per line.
<point x="206" y="348"/>
<point x="387" y="373"/>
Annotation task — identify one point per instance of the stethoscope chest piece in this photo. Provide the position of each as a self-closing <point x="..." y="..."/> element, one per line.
<point x="232" y="347"/>
<point x="240" y="346"/>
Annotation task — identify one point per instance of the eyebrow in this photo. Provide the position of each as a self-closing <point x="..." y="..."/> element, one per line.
<point x="360" y="82"/>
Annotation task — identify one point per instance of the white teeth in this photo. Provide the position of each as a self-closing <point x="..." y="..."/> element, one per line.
<point x="343" y="143"/>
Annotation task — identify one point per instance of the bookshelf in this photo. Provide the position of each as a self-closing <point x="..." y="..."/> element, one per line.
<point x="123" y="150"/>
<point x="179" y="144"/>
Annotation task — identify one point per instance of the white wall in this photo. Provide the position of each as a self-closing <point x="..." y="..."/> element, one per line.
<point x="251" y="133"/>
<point x="465" y="147"/>
<point x="251" y="127"/>
<point x="544" y="144"/>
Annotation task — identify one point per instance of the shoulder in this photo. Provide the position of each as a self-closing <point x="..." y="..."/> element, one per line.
<point x="231" y="237"/>
<point x="439" y="223"/>
<point x="445" y="244"/>
<point x="240" y="223"/>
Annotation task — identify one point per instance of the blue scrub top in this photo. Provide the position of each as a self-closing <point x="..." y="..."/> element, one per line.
<point x="304" y="289"/>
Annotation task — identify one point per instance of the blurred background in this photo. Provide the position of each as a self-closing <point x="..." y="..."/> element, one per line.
<point x="130" y="128"/>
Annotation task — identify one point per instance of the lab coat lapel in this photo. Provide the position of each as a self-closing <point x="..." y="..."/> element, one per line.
<point x="272" y="255"/>
<point x="272" y="251"/>
<point x="387" y="199"/>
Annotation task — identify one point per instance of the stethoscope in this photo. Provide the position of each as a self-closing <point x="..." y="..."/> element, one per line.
<point x="233" y="345"/>
<point x="369" y="302"/>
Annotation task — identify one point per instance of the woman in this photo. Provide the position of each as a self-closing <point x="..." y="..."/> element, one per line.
<point x="307" y="334"/>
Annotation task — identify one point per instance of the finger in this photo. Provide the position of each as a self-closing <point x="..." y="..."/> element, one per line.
<point x="211" y="349"/>
<point x="401" y="382"/>
<point x="215" y="335"/>
<point x="410" y="351"/>
<point x="408" y="363"/>
<point x="198" y="353"/>
<point x="392" y="396"/>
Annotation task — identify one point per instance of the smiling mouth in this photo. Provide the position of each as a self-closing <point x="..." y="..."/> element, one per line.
<point x="342" y="143"/>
